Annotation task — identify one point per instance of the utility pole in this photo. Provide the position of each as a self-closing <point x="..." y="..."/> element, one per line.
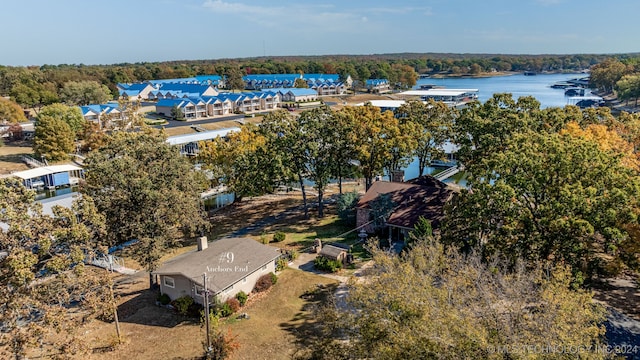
<point x="206" y="312"/>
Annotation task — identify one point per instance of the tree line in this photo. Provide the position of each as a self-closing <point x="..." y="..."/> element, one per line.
<point x="618" y="77"/>
<point x="37" y="86"/>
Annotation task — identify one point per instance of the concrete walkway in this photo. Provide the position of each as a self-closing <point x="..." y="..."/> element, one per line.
<point x="304" y="262"/>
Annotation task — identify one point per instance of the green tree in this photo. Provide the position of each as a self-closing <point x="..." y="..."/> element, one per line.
<point x="233" y="78"/>
<point x="318" y="137"/>
<point x="434" y="120"/>
<point x="53" y="138"/>
<point x="300" y="84"/>
<point x="606" y="74"/>
<point x="433" y="302"/>
<point x="422" y="230"/>
<point x="287" y="142"/>
<point x="43" y="280"/>
<point x="343" y="150"/>
<point x="242" y="161"/>
<point x="372" y="136"/>
<point x="69" y="114"/>
<point x="482" y="130"/>
<point x="404" y="76"/>
<point x="84" y="93"/>
<point x="549" y="196"/>
<point x="147" y="191"/>
<point x="33" y="94"/>
<point x="176" y="113"/>
<point x="11" y="112"/>
<point x="629" y="88"/>
<point x="347" y="203"/>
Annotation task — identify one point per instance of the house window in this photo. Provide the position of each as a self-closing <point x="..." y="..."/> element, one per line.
<point x="244" y="281"/>
<point x="199" y="291"/>
<point x="264" y="268"/>
<point x="169" y="282"/>
<point x="228" y="290"/>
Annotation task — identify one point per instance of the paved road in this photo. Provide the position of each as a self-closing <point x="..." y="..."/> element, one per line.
<point x="623" y="333"/>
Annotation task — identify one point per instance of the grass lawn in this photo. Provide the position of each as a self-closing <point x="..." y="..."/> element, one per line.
<point x="10" y="157"/>
<point x="269" y="333"/>
<point x="302" y="233"/>
<point x="153" y="332"/>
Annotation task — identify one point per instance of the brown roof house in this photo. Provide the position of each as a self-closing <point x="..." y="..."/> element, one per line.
<point x="424" y="196"/>
<point x="231" y="265"/>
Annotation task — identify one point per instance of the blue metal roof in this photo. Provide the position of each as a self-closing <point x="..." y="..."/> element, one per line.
<point x="173" y="102"/>
<point x="324" y="77"/>
<point x="185" y="88"/>
<point x="129" y="93"/>
<point x="99" y="108"/>
<point x="189" y="80"/>
<point x="209" y="79"/>
<point x="300" y="92"/>
<point x="271" y="77"/>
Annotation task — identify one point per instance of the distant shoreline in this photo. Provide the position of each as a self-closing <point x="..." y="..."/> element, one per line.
<point x="492" y="74"/>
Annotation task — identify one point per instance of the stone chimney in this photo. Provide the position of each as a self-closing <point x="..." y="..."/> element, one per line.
<point x="202" y="243"/>
<point x="397" y="175"/>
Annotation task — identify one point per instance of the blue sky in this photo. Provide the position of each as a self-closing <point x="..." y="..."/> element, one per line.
<point x="37" y="32"/>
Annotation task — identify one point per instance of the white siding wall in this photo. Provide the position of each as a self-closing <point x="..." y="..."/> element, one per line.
<point x="184" y="286"/>
<point x="247" y="286"/>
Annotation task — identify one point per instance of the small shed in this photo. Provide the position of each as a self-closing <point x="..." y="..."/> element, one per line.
<point x="334" y="252"/>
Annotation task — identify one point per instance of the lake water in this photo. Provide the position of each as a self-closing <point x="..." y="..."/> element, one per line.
<point x="538" y="86"/>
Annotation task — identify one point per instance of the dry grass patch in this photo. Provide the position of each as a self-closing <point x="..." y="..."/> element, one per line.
<point x="269" y="332"/>
<point x="153" y="332"/>
<point x="10" y="157"/>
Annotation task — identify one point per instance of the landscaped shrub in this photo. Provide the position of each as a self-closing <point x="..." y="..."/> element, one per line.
<point x="164" y="299"/>
<point x="242" y="298"/>
<point x="183" y="304"/>
<point x="263" y="283"/>
<point x="279" y="236"/>
<point x="325" y="264"/>
<point x="224" y="310"/>
<point x="274" y="278"/>
<point x="281" y="264"/>
<point x="294" y="254"/>
<point x="234" y="304"/>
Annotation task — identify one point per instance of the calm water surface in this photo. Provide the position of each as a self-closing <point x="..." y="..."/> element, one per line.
<point x="538" y="86"/>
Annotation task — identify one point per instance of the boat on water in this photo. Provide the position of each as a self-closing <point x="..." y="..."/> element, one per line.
<point x="562" y="85"/>
<point x="430" y="86"/>
<point x="572" y="83"/>
<point x="529" y="73"/>
<point x="574" y="91"/>
<point x="587" y="101"/>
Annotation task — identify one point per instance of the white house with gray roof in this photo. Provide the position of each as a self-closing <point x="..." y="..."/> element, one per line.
<point x="231" y="264"/>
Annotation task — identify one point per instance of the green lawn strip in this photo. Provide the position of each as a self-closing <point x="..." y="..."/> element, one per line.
<point x="303" y="234"/>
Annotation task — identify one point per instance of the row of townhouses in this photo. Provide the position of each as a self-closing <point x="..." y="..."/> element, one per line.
<point x="199" y="97"/>
<point x="323" y="84"/>
<point x="203" y="101"/>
